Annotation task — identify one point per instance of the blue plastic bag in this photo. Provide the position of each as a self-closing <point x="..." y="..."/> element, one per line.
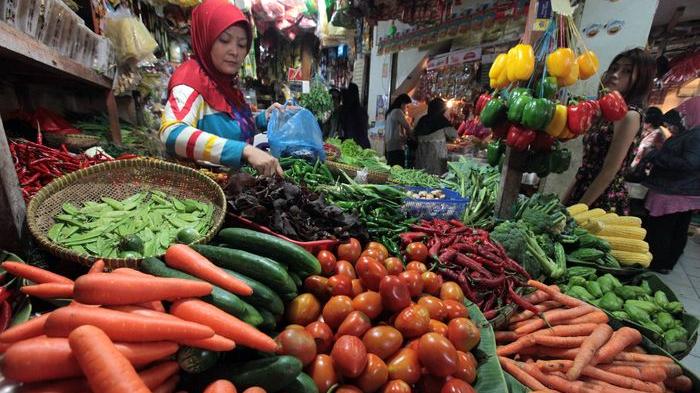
<point x="295" y="133"/>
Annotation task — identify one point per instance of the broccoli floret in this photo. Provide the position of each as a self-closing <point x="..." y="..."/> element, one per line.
<point x="540" y="221"/>
<point x="546" y="244"/>
<point x="522" y="245"/>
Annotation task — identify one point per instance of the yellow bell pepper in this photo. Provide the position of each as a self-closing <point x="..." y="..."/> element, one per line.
<point x="571" y="78"/>
<point x="588" y="64"/>
<point x="565" y="134"/>
<point x="560" y="61"/>
<point x="558" y="123"/>
<point x="498" y="66"/>
<point x="521" y="62"/>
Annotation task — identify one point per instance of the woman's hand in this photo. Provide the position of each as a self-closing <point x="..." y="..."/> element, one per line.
<point x="279" y="107"/>
<point x="265" y="164"/>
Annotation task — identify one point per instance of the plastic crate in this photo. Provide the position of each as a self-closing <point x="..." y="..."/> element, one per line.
<point x="453" y="206"/>
<point x="28" y="16"/>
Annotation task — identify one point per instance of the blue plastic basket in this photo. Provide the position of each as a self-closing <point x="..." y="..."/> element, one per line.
<point x="452" y="207"/>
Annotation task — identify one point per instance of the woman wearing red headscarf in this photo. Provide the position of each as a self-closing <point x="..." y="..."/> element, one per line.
<point x="206" y="117"/>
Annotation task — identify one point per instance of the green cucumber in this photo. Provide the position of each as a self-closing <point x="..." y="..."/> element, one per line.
<point x="288" y="296"/>
<point x="270" y="246"/>
<point x="221" y="298"/>
<point x="263" y="296"/>
<point x="303" y="384"/>
<point x="196" y="360"/>
<point x="272" y="374"/>
<point x="256" y="267"/>
<point x="297" y="280"/>
<point x="269" y="322"/>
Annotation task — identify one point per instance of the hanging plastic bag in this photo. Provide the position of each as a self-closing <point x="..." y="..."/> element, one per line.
<point x="295" y="133"/>
<point x="130" y="38"/>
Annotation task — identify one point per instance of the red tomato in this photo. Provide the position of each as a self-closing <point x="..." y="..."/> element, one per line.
<point x="297" y="343"/>
<point x="396" y="386"/>
<point x="322" y="334"/>
<point x="347" y="389"/>
<point x="355" y="324"/>
<point x="451" y="291"/>
<point x="430" y="384"/>
<point x="373" y="253"/>
<point x="455" y="309"/>
<point x="405" y="366"/>
<point x="417" y="266"/>
<point x="438" y="355"/>
<point x="438" y="327"/>
<point x="435" y="306"/>
<point x="413" y="344"/>
<point x="318" y="286"/>
<point x="357" y="287"/>
<point x="375" y="375"/>
<point x="370" y="271"/>
<point x="303" y="309"/>
<point x="335" y="311"/>
<point x="340" y="284"/>
<point x="431" y="283"/>
<point x="380" y="248"/>
<point x="349" y="356"/>
<point x="463" y="334"/>
<point x="467" y="367"/>
<point x="350" y="251"/>
<point x="322" y="371"/>
<point x="294" y="326"/>
<point x="414" y="282"/>
<point x="345" y="267"/>
<point x="395" y="293"/>
<point x="327" y="261"/>
<point x="457" y="386"/>
<point x="393" y="266"/>
<point x="417" y="251"/>
<point x="382" y="341"/>
<point x="369" y="303"/>
<point x="413" y="321"/>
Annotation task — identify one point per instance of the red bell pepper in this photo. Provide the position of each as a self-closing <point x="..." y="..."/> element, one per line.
<point x="613" y="106"/>
<point x="500" y="131"/>
<point x="481" y="102"/>
<point x="519" y="138"/>
<point x="579" y="117"/>
<point x="543" y="142"/>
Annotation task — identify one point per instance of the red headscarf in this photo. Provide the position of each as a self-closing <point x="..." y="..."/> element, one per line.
<point x="209" y="20"/>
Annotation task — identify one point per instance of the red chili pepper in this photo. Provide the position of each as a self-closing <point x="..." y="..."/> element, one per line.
<point x="613" y="106"/>
<point x="519" y="138"/>
<point x="579" y="117"/>
<point x="481" y="103"/>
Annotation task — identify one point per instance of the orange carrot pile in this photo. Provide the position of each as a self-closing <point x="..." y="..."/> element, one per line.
<point x="570" y="348"/>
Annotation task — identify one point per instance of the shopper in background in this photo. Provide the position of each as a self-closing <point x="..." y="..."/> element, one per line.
<point x="609" y="148"/>
<point x="396" y="130"/>
<point x="432" y="133"/>
<point x="332" y="127"/>
<point x="206" y="117"/>
<point x="353" y="117"/>
<point x="674" y="192"/>
<point x="652" y="137"/>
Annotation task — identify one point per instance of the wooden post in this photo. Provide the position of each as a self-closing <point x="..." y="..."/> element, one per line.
<point x="113" y="114"/>
<point x="12" y="207"/>
<point x="307" y="55"/>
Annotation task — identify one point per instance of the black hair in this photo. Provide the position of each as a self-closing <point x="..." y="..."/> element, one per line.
<point x="399" y="101"/>
<point x="674" y="118"/>
<point x="643" y="72"/>
<point x="654" y="116"/>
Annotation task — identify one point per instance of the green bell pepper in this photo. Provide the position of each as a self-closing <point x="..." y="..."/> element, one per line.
<point x="576" y="280"/>
<point x="645" y="286"/>
<point x="606" y="285"/>
<point x="559" y="160"/>
<point x="547" y="87"/>
<point x="587" y="273"/>
<point x="674" y="307"/>
<point x="518" y="91"/>
<point x="620" y="315"/>
<point x="610" y="302"/>
<point x="594" y="288"/>
<point x="636" y="314"/>
<point x="580" y="292"/>
<point x="676" y="334"/>
<point x="538" y="113"/>
<point x="494" y="112"/>
<point x="629" y="292"/>
<point x="494" y="150"/>
<point x="649" y="307"/>
<point x="665" y="320"/>
<point x="516" y="107"/>
<point x="661" y="299"/>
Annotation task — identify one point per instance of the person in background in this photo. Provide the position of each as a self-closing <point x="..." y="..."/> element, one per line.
<point x="652" y="137"/>
<point x="353" y="117"/>
<point x="674" y="192"/>
<point x="608" y="148"/>
<point x="396" y="130"/>
<point x="332" y="127"/>
<point x="206" y="117"/>
<point x="432" y="133"/>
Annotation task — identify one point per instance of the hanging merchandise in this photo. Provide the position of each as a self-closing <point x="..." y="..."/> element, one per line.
<point x="341" y="17"/>
<point x="131" y="39"/>
<point x="289" y="17"/>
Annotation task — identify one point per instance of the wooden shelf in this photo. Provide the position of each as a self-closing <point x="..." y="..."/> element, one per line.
<point x="20" y="46"/>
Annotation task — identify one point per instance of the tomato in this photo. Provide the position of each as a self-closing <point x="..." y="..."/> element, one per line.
<point x="405" y="366"/>
<point x="357" y="287"/>
<point x="451" y="291"/>
<point x="355" y="324"/>
<point x="455" y="309"/>
<point x="340" y="284"/>
<point x="414" y="282"/>
<point x="380" y="248"/>
<point x="430" y="384"/>
<point x="457" y="386"/>
<point x="322" y="334"/>
<point x="369" y="303"/>
<point x="467" y="367"/>
<point x="438" y="327"/>
<point x="395" y="293"/>
<point x="382" y="341"/>
<point x="294" y="326"/>
<point x="417" y="266"/>
<point x="432" y="283"/>
<point x="393" y="266"/>
<point x="345" y="267"/>
<point x="396" y="386"/>
<point x="297" y="343"/>
<point x="463" y="334"/>
<point x="413" y="344"/>
<point x="327" y="261"/>
<point x="435" y="306"/>
<point x="413" y="321"/>
<point x="350" y="250"/>
<point x="318" y="286"/>
<point x="303" y="309"/>
<point x="322" y="371"/>
<point x="370" y="271"/>
<point x="347" y="389"/>
<point x="373" y="253"/>
<point x="335" y="311"/>
<point x="375" y="375"/>
<point x="438" y="355"/>
<point x="349" y="356"/>
<point x="417" y="251"/>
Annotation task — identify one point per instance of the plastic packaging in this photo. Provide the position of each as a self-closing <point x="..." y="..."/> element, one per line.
<point x="131" y="39"/>
<point x="295" y="133"/>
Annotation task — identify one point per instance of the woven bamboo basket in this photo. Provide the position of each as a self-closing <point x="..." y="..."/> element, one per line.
<point x="73" y="142"/>
<point x="119" y="180"/>
<point x="372" y="176"/>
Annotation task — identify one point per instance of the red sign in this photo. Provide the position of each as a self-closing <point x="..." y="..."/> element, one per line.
<point x="294" y="74"/>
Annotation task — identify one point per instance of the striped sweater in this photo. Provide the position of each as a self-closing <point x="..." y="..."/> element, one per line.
<point x="190" y="128"/>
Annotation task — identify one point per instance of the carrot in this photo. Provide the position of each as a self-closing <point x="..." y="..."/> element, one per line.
<point x="537" y="297"/>
<point x="597" y="339"/>
<point x="640" y="357"/>
<point x="621" y="339"/>
<point x="159" y="374"/>
<point x="505" y="336"/>
<point x="34" y="274"/>
<point x="549" y="352"/>
<point x="220" y="386"/>
<point x="559" y="342"/>
<point x="516" y="346"/>
<point x="680" y="384"/>
<point x="555" y="381"/>
<point x="182" y="257"/>
<point x="97" y="267"/>
<point x="553" y="317"/>
<point x="32" y="328"/>
<point x="635" y="348"/>
<point x="602" y="375"/>
<point x="223" y="324"/>
<point x="644" y="373"/>
<point x="606" y="387"/>
<point x="594" y="317"/>
<point x="154" y="305"/>
<point x="554" y="294"/>
<point x="582" y="329"/>
<point x="121" y="326"/>
<point x="118" y="289"/>
<point x="49" y="291"/>
<point x="255" y="389"/>
<point x="515" y="369"/>
<point x="672" y="370"/>
<point x="527" y="314"/>
<point x="168" y="386"/>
